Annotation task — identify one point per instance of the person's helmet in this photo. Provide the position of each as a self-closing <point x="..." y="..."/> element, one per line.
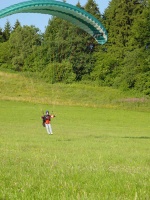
<point x="47" y="112"/>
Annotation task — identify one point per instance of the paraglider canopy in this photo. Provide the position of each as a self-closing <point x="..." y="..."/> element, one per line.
<point x="68" y="12"/>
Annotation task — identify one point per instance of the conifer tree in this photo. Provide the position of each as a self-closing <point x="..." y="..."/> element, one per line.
<point x="1" y="35"/>
<point x="79" y="5"/>
<point x="7" y="31"/>
<point x="120" y="17"/>
<point x="92" y="7"/>
<point x="16" y="25"/>
<point x="141" y="26"/>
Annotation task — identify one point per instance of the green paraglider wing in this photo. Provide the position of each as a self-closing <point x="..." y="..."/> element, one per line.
<point x="68" y="12"/>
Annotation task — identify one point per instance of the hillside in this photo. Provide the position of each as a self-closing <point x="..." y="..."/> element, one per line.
<point x="24" y="87"/>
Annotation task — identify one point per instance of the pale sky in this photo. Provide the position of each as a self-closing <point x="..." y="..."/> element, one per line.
<point x="39" y="20"/>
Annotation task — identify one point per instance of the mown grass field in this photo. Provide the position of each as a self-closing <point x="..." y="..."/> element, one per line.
<point x="96" y="152"/>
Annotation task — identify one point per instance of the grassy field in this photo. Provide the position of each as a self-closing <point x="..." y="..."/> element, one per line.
<point x="95" y="153"/>
<point x="23" y="87"/>
<point x="99" y="151"/>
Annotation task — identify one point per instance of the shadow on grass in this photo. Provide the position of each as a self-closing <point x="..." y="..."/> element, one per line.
<point x="103" y="137"/>
<point x="127" y="137"/>
<point x="137" y="137"/>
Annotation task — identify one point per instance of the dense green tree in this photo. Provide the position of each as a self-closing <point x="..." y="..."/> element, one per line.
<point x="55" y="40"/>
<point x="5" y="60"/>
<point x="83" y="46"/>
<point x="7" y="31"/>
<point x="56" y="49"/>
<point x="65" y="41"/>
<point x="136" y="60"/>
<point x="119" y="62"/>
<point x="22" y="43"/>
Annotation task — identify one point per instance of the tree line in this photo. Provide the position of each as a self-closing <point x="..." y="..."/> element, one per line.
<point x="65" y="53"/>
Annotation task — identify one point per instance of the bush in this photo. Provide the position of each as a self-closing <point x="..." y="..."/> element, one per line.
<point x="59" y="72"/>
<point x="142" y="83"/>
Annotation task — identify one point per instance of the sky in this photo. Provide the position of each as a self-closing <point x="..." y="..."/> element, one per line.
<point x="39" y="20"/>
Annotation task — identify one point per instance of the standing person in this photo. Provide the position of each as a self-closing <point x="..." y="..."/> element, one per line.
<point x="47" y="122"/>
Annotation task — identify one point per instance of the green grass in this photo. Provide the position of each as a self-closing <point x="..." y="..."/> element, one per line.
<point x="95" y="153"/>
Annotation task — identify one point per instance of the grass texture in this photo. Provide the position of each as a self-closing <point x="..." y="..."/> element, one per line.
<point x="94" y="153"/>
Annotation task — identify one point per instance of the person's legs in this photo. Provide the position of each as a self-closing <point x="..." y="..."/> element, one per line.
<point x="48" y="128"/>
